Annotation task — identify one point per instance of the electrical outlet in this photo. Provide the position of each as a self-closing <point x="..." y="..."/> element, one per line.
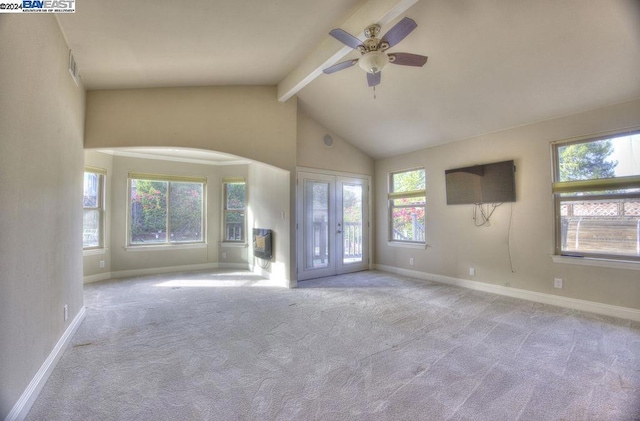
<point x="224" y="254"/>
<point x="410" y="261"/>
<point x="557" y="283"/>
<point x="66" y="312"/>
<point x="472" y="271"/>
<point x="101" y="264"/>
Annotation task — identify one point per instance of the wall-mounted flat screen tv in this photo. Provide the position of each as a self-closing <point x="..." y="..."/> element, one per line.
<point x="262" y="243"/>
<point x="488" y="183"/>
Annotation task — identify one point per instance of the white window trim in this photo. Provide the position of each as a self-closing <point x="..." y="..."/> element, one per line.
<point x="598" y="262"/>
<point x="407" y="244"/>
<point x="94" y="251"/>
<point x="168" y="245"/>
<point x="165" y="247"/>
<point x="230" y="243"/>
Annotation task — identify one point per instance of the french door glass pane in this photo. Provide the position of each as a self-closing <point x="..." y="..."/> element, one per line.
<point x="352" y="223"/>
<point x="317" y="224"/>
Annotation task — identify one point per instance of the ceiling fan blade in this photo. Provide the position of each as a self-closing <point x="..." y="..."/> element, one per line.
<point x="373" y="79"/>
<point x="399" y="31"/>
<point x="340" y="66"/>
<point x="407" y="59"/>
<point x="345" y="38"/>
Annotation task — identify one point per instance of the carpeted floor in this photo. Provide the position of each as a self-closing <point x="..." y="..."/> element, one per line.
<point x="364" y="346"/>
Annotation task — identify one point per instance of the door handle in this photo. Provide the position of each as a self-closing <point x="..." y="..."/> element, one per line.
<point x="338" y="232"/>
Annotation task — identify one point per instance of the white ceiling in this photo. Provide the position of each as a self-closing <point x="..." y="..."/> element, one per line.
<point x="493" y="64"/>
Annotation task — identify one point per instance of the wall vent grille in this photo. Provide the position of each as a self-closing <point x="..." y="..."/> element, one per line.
<point x="73" y="69"/>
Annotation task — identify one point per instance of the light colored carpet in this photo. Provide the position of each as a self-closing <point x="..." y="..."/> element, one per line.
<point x="365" y="346"/>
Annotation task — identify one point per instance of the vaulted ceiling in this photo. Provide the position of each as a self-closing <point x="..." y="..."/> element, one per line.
<point x="493" y="64"/>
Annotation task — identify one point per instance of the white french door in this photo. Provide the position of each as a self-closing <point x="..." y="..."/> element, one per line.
<point x="333" y="225"/>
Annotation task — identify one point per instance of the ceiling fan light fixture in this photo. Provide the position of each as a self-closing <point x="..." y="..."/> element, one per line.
<point x="374" y="61"/>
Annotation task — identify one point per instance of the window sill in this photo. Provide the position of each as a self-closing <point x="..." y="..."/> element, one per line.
<point x="164" y="247"/>
<point x="231" y="244"/>
<point x="407" y="245"/>
<point x="94" y="252"/>
<point x="590" y="261"/>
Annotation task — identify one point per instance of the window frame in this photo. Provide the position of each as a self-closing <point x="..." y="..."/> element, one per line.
<point x="225" y="182"/>
<point x="585" y="186"/>
<point x="168" y="179"/>
<point x="100" y="208"/>
<point x="391" y="196"/>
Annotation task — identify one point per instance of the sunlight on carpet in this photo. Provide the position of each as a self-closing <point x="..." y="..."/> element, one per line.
<point x="217" y="283"/>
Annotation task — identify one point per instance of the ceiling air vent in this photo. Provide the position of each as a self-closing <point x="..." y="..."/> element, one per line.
<point x="73" y="69"/>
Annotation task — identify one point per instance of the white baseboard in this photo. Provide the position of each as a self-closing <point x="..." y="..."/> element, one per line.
<point x="160" y="270"/>
<point x="539" y="297"/>
<point x="29" y="396"/>
<point x="163" y="269"/>
<point x="274" y="279"/>
<point x="262" y="272"/>
<point x="96" y="278"/>
<point x="238" y="266"/>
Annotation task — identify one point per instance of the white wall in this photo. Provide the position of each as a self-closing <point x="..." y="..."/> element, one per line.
<point x="341" y="156"/>
<point x="41" y="161"/>
<point x="269" y="207"/>
<point x="455" y="244"/>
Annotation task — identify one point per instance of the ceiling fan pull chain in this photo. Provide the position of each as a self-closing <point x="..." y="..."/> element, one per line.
<point x="374" y="93"/>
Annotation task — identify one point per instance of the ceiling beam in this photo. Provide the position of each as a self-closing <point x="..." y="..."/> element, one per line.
<point x="331" y="50"/>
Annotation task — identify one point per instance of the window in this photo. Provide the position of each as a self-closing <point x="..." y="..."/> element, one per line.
<point x="165" y="209"/>
<point x="597" y="197"/>
<point x="407" y="198"/>
<point x="93" y="208"/>
<point x="234" y="209"/>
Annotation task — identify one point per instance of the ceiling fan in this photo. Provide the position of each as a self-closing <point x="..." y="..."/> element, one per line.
<point x="373" y="50"/>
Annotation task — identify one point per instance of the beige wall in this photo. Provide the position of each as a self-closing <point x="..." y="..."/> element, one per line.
<point x="341" y="156"/>
<point x="41" y="160"/>
<point x="243" y="121"/>
<point x="270" y="207"/>
<point x="91" y="260"/>
<point x="455" y="244"/>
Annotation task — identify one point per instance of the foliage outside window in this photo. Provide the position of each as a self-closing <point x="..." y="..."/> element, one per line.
<point x="234" y="210"/>
<point x="407" y="199"/>
<point x="597" y="197"/>
<point x="165" y="209"/>
<point x="93" y="208"/>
